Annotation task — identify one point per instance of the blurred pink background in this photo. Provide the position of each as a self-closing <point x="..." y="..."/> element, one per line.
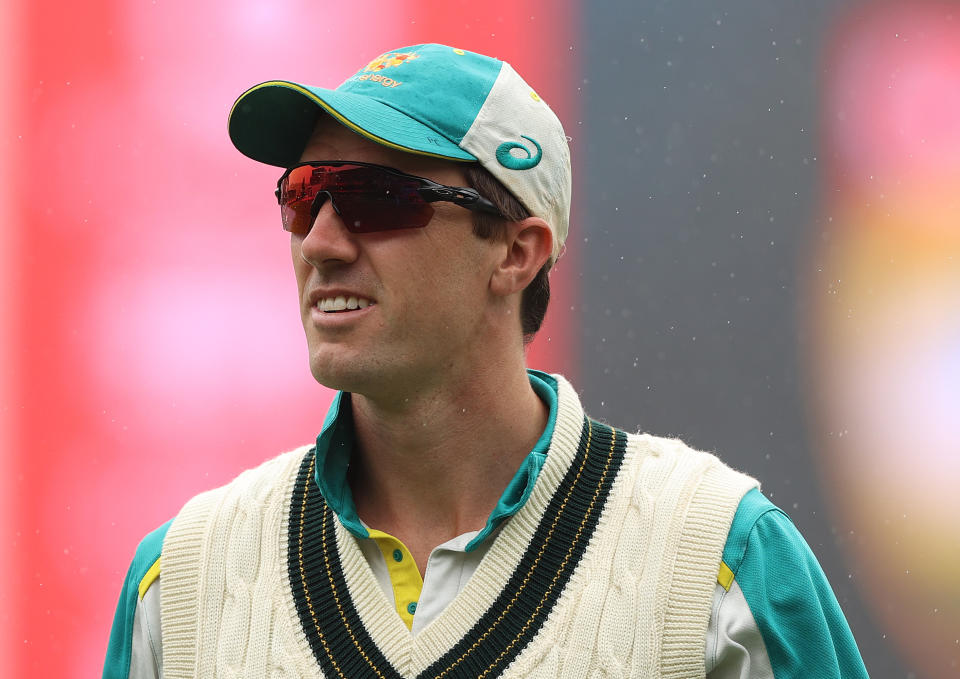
<point x="158" y="348"/>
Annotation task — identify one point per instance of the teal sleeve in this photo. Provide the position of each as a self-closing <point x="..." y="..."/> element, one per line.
<point x="799" y="618"/>
<point x="117" y="664"/>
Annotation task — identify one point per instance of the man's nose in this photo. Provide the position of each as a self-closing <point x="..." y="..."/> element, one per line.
<point x="328" y="240"/>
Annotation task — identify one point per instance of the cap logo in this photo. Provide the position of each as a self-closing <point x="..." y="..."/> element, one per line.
<point x="512" y="162"/>
<point x="389" y="59"/>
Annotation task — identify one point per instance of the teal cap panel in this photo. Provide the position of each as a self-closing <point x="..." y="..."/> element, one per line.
<point x="442" y="87"/>
<point x="272" y="122"/>
<point x="421" y="99"/>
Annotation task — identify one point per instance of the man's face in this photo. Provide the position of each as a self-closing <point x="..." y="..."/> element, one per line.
<point x="427" y="288"/>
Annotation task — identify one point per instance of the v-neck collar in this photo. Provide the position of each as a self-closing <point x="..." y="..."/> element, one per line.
<point x="351" y="627"/>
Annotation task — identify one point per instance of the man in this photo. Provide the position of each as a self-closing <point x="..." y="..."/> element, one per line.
<point x="459" y="515"/>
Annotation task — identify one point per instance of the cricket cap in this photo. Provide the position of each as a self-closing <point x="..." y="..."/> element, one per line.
<point x="432" y="100"/>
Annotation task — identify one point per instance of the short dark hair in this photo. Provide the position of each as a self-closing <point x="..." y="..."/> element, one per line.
<point x="536" y="296"/>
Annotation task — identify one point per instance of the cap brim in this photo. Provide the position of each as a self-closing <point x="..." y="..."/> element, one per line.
<point x="272" y="122"/>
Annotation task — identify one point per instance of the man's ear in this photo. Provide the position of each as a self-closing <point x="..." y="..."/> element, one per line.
<point x="529" y="245"/>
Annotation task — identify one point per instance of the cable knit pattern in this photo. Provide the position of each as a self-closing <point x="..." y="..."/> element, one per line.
<point x="226" y="609"/>
<point x="639" y="604"/>
<point x="636" y="605"/>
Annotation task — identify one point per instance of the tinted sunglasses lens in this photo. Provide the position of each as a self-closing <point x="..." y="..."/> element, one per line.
<point x="370" y="199"/>
<point x="367" y="199"/>
<point x="297" y="192"/>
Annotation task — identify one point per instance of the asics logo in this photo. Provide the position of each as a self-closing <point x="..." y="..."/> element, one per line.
<point x="506" y="158"/>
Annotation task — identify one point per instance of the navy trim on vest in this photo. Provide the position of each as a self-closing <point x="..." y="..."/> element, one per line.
<point x="329" y="617"/>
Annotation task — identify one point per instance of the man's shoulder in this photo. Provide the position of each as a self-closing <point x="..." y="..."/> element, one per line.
<point x="667" y="476"/>
<point x="665" y="445"/>
<point x="271" y="471"/>
<point x="265" y="475"/>
<point x="270" y="476"/>
<point x="145" y="567"/>
<point x="755" y="509"/>
<point x="677" y="456"/>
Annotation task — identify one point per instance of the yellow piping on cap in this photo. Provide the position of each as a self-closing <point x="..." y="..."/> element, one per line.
<point x="356" y="128"/>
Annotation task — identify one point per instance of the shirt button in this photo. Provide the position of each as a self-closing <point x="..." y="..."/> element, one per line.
<point x="412" y="607"/>
<point x="397" y="555"/>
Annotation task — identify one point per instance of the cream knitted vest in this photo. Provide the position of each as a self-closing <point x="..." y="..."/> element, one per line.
<point x="634" y="601"/>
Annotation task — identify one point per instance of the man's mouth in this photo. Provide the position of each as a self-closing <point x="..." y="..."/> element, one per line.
<point x="332" y="305"/>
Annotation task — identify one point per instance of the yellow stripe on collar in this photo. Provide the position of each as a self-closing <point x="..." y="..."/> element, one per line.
<point x="725" y="576"/>
<point x="149" y="578"/>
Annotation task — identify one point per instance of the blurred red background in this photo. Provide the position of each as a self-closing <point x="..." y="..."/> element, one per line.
<point x="149" y="305"/>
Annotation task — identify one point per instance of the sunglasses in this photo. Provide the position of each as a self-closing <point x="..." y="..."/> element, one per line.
<point x="366" y="197"/>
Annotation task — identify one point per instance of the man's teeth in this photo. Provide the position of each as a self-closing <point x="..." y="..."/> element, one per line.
<point x="341" y="303"/>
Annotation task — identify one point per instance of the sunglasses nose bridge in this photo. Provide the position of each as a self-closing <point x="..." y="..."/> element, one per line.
<point x="326" y="240"/>
<point x="322" y="196"/>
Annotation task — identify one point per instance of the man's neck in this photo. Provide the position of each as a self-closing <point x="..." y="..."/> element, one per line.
<point x="433" y="465"/>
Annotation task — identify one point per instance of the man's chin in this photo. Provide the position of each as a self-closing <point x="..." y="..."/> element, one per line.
<point x="331" y="379"/>
<point x="366" y="380"/>
<point x="340" y="374"/>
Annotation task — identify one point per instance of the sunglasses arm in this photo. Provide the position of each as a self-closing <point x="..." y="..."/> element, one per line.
<point x="463" y="197"/>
